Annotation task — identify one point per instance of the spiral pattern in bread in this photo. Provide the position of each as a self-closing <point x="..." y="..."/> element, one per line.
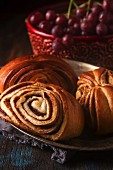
<point x="42" y="109"/>
<point x="41" y="68"/>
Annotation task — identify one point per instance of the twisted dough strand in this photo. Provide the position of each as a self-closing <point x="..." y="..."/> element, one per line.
<point x="95" y="94"/>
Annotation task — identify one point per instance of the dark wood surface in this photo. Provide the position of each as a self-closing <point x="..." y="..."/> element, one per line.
<point x="14" y="42"/>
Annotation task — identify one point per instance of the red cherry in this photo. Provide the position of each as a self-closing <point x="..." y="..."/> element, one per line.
<point x="50" y="15"/>
<point x="68" y="40"/>
<point x="36" y="18"/>
<point x="57" y="45"/>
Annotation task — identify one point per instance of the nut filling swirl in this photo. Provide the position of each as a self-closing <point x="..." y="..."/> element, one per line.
<point x="42" y="109"/>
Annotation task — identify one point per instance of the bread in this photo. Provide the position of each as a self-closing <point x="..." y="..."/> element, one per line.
<point x="95" y="94"/>
<point x="45" y="110"/>
<point x="41" y="68"/>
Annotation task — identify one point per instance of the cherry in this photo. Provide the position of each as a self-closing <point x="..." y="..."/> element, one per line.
<point x="96" y="9"/>
<point x="50" y="15"/>
<point x="57" y="30"/>
<point x="45" y="26"/>
<point x="61" y="20"/>
<point x="81" y="12"/>
<point x="92" y="18"/>
<point x="107" y="5"/>
<point x="36" y="18"/>
<point x="72" y="21"/>
<point x="106" y="17"/>
<point x="68" y="40"/>
<point x="57" y="45"/>
<point x="87" y="28"/>
<point x="101" y="29"/>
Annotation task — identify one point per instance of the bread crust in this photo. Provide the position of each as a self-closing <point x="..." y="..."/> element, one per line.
<point x="45" y="110"/>
<point x="41" y="68"/>
<point x="95" y="94"/>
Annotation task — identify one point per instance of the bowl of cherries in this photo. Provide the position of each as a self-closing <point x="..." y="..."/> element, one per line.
<point x="79" y="31"/>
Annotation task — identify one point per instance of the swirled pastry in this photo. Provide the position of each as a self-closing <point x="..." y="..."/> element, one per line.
<point x="41" y="68"/>
<point x="42" y="109"/>
<point x="95" y="94"/>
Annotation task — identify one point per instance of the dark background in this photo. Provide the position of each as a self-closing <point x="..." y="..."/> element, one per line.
<point x="14" y="41"/>
<point x="25" y="6"/>
<point x="10" y="8"/>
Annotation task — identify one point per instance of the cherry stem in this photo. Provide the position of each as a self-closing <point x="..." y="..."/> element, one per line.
<point x="88" y="7"/>
<point x="75" y="4"/>
<point x="98" y="3"/>
<point x="70" y="6"/>
<point x="82" y="5"/>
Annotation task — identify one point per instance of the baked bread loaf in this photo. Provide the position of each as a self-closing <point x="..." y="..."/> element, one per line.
<point x="95" y="94"/>
<point x="41" y="68"/>
<point x="42" y="109"/>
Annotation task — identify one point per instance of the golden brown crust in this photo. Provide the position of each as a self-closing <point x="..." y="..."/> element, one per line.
<point x="46" y="110"/>
<point x="43" y="68"/>
<point x="95" y="94"/>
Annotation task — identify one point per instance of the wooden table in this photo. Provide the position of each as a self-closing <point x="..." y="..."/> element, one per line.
<point x="14" y="42"/>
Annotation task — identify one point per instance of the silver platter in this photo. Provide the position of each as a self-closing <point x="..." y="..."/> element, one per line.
<point x="80" y="67"/>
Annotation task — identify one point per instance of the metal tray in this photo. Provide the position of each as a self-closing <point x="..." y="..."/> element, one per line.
<point x="83" y="143"/>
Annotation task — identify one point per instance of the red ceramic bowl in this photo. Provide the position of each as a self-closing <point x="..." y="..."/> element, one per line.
<point x="96" y="50"/>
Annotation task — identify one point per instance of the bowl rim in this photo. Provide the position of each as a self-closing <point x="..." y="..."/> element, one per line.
<point x="38" y="32"/>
